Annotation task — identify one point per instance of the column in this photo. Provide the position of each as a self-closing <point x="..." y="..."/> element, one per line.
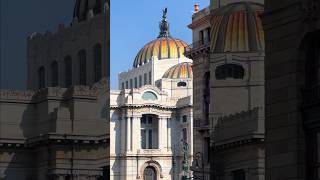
<point x="128" y="134"/>
<point x="163" y="132"/>
<point x="136" y="133"/>
<point x="169" y="121"/>
<point x="123" y="134"/>
<point x="159" y="132"/>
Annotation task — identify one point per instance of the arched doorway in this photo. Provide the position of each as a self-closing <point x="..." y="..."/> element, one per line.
<point x="150" y="173"/>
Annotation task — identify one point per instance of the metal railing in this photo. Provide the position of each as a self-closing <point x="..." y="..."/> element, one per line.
<point x="198" y="45"/>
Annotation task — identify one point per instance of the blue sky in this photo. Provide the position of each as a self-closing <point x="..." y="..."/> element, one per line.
<point x="135" y="22"/>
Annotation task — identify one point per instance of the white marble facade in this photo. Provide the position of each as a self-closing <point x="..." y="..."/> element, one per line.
<point x="150" y="120"/>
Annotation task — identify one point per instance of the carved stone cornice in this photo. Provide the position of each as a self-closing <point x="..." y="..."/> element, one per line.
<point x="42" y="140"/>
<point x="58" y="93"/>
<point x="16" y="95"/>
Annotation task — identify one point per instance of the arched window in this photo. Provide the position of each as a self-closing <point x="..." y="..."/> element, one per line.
<point x="41" y="77"/>
<point x="97" y="62"/>
<point x="68" y="71"/>
<point x="54" y="74"/>
<point x="181" y="84"/>
<point x="82" y="67"/>
<point x="229" y="71"/>
<point x="150" y="173"/>
<point x="149" y="96"/>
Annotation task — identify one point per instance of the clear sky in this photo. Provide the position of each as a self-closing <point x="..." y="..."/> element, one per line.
<point x="136" y="22"/>
<point x="18" y="19"/>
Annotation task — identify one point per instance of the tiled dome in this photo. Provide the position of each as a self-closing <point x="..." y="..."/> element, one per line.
<point x="179" y="71"/>
<point x="163" y="48"/>
<point x="237" y="27"/>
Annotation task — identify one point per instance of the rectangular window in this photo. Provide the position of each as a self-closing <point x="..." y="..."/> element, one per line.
<point x="140" y="81"/>
<point x="150" y="77"/>
<point x="135" y="82"/>
<point x="143" y="120"/>
<point x="207" y="148"/>
<point x="201" y="36"/>
<point x="145" y="79"/>
<point x="143" y="139"/>
<point x="184" y="118"/>
<point x="150" y="139"/>
<point x="131" y="83"/>
<point x="208" y="32"/>
<point x="127" y="84"/>
<point x="122" y="85"/>
<point x="239" y="175"/>
<point x="149" y="120"/>
<point x="185" y="134"/>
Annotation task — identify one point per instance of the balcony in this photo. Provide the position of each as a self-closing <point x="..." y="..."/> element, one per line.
<point x="198" y="47"/>
<point x="201" y="125"/>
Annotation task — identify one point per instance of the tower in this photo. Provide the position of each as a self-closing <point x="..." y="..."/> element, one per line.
<point x="74" y="55"/>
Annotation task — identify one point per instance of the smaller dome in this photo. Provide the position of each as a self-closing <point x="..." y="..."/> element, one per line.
<point x="179" y="71"/>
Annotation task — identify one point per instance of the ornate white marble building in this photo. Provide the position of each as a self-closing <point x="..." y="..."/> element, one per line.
<point x="151" y="114"/>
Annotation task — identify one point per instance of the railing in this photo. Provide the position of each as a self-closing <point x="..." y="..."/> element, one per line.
<point x="198" y="123"/>
<point x="198" y="45"/>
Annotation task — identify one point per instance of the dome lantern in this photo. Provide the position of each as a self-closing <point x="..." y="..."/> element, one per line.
<point x="165" y="47"/>
<point x="164" y="25"/>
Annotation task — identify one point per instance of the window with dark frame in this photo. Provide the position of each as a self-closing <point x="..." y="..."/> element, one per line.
<point x="229" y="71"/>
<point x="181" y="84"/>
<point x="97" y="63"/>
<point x="54" y="74"/>
<point x="140" y="80"/>
<point x="41" y="77"/>
<point x="184" y="118"/>
<point x="185" y="134"/>
<point x="206" y="97"/>
<point x="68" y="71"/>
<point x="135" y="82"/>
<point x="82" y="67"/>
<point x="144" y="78"/>
<point x="149" y="131"/>
<point x="239" y="175"/>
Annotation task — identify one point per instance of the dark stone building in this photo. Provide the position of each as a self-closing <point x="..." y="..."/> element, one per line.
<point x="292" y="33"/>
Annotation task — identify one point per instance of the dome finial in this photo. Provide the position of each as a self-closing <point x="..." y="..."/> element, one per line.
<point x="164" y="25"/>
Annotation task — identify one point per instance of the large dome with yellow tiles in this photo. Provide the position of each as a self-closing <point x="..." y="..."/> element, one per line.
<point x="164" y="47"/>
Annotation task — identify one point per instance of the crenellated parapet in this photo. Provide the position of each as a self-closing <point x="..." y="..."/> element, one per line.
<point x="34" y="96"/>
<point x="238" y="127"/>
